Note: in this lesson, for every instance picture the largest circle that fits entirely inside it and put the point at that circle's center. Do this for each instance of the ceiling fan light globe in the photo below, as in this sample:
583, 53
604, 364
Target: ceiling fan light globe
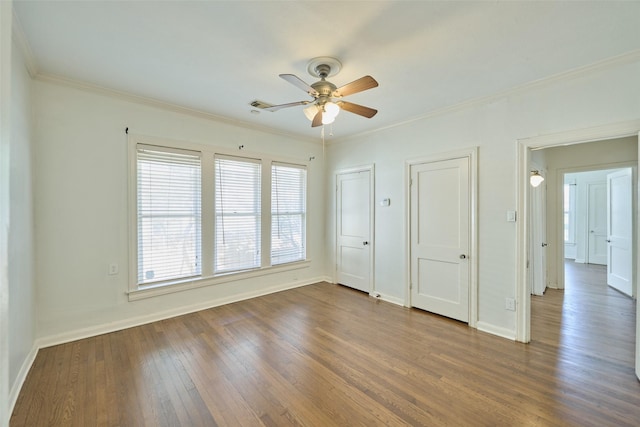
327, 119
311, 111
536, 179
331, 109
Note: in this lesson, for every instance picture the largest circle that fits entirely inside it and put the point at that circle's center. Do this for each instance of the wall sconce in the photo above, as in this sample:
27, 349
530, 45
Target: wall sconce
535, 179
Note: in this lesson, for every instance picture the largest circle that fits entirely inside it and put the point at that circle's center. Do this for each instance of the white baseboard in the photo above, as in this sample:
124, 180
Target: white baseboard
388, 298
496, 330
167, 314
22, 376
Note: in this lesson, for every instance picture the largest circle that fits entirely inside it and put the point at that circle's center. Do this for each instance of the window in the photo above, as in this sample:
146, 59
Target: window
168, 215
288, 213
203, 216
238, 217
569, 203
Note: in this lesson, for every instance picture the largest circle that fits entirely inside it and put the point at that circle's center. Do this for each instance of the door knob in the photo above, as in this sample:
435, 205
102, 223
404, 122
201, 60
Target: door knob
544, 244
463, 256
365, 243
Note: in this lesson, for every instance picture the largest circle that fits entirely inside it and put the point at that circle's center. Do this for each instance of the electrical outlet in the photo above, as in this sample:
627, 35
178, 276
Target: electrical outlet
510, 304
113, 269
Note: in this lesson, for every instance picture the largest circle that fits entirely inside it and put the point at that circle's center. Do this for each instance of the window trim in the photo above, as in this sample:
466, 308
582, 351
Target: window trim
208, 277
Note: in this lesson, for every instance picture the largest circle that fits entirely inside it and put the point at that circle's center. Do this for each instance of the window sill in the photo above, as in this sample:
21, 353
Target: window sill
168, 288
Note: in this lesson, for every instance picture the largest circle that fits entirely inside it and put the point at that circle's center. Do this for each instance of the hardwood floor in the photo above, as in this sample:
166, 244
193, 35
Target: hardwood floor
325, 355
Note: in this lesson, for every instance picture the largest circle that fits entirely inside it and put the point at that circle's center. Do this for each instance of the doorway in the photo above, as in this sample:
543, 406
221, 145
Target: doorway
597, 226
611, 135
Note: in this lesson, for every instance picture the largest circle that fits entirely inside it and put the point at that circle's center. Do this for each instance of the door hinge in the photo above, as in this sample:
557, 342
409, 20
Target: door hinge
410, 285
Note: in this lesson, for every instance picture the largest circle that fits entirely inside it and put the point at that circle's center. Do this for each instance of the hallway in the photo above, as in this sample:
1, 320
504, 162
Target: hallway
591, 323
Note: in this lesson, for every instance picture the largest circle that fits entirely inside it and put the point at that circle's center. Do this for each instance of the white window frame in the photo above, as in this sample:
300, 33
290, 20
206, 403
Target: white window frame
208, 276
569, 211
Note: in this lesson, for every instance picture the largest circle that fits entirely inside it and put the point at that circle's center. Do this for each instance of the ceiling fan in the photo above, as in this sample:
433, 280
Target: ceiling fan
327, 98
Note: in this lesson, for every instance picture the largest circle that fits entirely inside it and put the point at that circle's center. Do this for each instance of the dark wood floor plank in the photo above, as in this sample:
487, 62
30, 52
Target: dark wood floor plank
327, 355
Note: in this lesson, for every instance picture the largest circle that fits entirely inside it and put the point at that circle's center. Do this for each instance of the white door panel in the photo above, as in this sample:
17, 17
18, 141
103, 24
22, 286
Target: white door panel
539, 238
619, 230
440, 203
353, 222
597, 211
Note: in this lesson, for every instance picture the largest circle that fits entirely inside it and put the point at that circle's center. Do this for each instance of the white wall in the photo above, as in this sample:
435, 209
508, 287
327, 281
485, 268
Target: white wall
81, 209
22, 323
601, 95
6, 17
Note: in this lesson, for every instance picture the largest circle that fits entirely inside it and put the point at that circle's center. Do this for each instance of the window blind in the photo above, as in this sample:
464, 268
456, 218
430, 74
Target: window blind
238, 214
169, 215
288, 213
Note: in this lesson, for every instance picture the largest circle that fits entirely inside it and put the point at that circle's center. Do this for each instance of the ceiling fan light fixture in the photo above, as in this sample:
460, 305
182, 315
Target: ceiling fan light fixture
327, 98
311, 111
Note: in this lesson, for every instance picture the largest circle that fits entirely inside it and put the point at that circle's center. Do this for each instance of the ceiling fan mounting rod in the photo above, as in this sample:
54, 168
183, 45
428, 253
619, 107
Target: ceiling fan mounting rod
323, 70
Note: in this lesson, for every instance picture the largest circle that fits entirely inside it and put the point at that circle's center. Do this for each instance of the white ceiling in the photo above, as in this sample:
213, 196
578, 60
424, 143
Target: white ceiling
218, 56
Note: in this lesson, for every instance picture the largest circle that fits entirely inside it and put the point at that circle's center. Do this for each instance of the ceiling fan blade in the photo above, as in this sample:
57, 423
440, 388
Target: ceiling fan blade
291, 104
297, 81
363, 83
317, 119
358, 109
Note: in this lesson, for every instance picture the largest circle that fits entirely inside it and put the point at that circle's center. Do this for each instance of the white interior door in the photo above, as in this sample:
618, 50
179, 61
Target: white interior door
597, 224
353, 223
539, 239
439, 221
619, 230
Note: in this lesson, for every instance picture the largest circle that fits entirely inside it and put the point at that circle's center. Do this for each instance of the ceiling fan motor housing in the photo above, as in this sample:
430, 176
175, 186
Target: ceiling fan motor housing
324, 89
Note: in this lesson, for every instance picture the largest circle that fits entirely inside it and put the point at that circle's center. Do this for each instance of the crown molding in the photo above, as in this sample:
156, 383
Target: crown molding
152, 102
599, 66
22, 42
